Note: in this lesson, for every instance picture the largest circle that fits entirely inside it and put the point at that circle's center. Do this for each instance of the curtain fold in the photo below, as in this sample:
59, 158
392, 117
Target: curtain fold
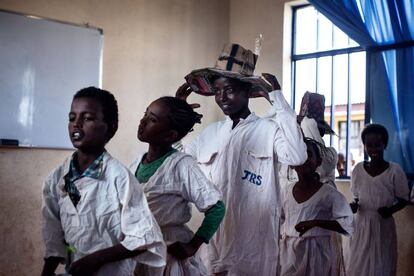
374, 23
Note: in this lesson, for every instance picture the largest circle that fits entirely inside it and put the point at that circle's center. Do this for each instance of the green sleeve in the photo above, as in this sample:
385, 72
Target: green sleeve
211, 222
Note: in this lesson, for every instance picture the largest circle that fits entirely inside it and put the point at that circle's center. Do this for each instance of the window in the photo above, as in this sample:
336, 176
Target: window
327, 61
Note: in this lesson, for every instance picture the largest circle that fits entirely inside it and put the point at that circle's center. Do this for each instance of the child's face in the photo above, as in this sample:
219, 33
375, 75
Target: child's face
155, 128
374, 146
311, 164
87, 129
228, 97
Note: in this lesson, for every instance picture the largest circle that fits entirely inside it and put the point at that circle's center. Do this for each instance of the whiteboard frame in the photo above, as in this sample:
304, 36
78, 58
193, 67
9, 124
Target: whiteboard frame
84, 25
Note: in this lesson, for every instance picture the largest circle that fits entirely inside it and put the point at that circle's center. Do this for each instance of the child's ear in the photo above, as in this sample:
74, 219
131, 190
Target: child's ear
172, 136
112, 128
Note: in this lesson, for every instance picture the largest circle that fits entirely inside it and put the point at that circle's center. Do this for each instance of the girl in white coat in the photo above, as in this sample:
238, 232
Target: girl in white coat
311, 211
171, 180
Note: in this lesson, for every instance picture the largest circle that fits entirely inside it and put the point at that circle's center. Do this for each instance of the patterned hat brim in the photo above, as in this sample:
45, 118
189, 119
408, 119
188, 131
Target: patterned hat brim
200, 81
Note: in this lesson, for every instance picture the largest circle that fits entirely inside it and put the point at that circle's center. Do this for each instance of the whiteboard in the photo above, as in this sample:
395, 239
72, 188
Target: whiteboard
43, 63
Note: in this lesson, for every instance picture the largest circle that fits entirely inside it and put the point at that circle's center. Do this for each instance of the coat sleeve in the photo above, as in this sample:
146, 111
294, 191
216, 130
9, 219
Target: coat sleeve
196, 188
288, 142
401, 189
354, 181
341, 212
192, 147
138, 225
52, 231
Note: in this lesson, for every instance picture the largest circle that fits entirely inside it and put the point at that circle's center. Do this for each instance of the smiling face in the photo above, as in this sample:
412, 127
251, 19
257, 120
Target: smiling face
155, 127
88, 131
374, 146
230, 97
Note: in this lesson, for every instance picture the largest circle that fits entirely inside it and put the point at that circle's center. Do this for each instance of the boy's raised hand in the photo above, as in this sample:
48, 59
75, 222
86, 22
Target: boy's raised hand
272, 80
183, 92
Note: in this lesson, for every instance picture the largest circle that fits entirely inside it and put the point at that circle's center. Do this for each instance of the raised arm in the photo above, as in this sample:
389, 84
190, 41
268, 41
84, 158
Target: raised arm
288, 143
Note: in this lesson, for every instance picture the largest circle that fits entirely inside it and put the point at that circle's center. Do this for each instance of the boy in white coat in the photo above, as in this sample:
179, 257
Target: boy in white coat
240, 155
93, 205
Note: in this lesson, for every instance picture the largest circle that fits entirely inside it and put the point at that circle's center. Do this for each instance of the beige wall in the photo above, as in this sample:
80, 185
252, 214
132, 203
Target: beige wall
248, 19
149, 45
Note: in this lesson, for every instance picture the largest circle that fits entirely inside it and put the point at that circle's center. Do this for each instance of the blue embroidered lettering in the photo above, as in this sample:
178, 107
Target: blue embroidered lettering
246, 174
252, 178
259, 180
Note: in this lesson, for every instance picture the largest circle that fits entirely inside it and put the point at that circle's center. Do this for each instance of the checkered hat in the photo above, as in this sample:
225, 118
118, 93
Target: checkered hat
234, 62
313, 106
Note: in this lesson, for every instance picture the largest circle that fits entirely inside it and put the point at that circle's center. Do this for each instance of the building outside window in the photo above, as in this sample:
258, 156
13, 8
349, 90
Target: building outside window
326, 61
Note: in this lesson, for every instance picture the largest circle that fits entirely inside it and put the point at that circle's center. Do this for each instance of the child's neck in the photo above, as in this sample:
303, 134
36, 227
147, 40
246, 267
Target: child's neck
155, 152
376, 166
305, 188
307, 182
243, 114
85, 159
377, 162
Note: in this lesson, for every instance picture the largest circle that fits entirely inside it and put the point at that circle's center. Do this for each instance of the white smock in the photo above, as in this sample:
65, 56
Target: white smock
112, 210
243, 162
373, 247
314, 253
177, 183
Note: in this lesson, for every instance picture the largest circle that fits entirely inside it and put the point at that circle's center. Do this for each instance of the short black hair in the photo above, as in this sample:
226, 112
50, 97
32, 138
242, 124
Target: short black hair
106, 100
315, 145
375, 129
181, 115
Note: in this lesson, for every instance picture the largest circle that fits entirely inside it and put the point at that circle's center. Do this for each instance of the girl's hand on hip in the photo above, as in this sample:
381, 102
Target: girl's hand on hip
181, 250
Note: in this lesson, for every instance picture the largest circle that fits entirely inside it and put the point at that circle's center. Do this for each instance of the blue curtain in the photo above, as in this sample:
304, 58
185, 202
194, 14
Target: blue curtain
390, 73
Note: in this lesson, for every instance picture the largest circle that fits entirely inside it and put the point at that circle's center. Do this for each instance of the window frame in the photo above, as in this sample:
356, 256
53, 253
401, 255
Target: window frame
331, 53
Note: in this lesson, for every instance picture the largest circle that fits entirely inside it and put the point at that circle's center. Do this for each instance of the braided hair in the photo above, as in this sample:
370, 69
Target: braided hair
181, 115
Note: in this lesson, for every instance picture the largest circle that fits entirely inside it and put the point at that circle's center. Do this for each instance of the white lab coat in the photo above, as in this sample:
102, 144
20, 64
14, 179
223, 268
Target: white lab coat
314, 253
373, 247
243, 162
177, 183
112, 210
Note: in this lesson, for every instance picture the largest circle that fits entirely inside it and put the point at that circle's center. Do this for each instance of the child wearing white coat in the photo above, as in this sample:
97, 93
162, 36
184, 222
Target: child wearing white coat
311, 211
96, 219
172, 181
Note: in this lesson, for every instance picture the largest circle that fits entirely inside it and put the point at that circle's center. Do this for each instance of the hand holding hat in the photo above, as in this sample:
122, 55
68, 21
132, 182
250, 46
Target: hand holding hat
183, 92
234, 62
272, 80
